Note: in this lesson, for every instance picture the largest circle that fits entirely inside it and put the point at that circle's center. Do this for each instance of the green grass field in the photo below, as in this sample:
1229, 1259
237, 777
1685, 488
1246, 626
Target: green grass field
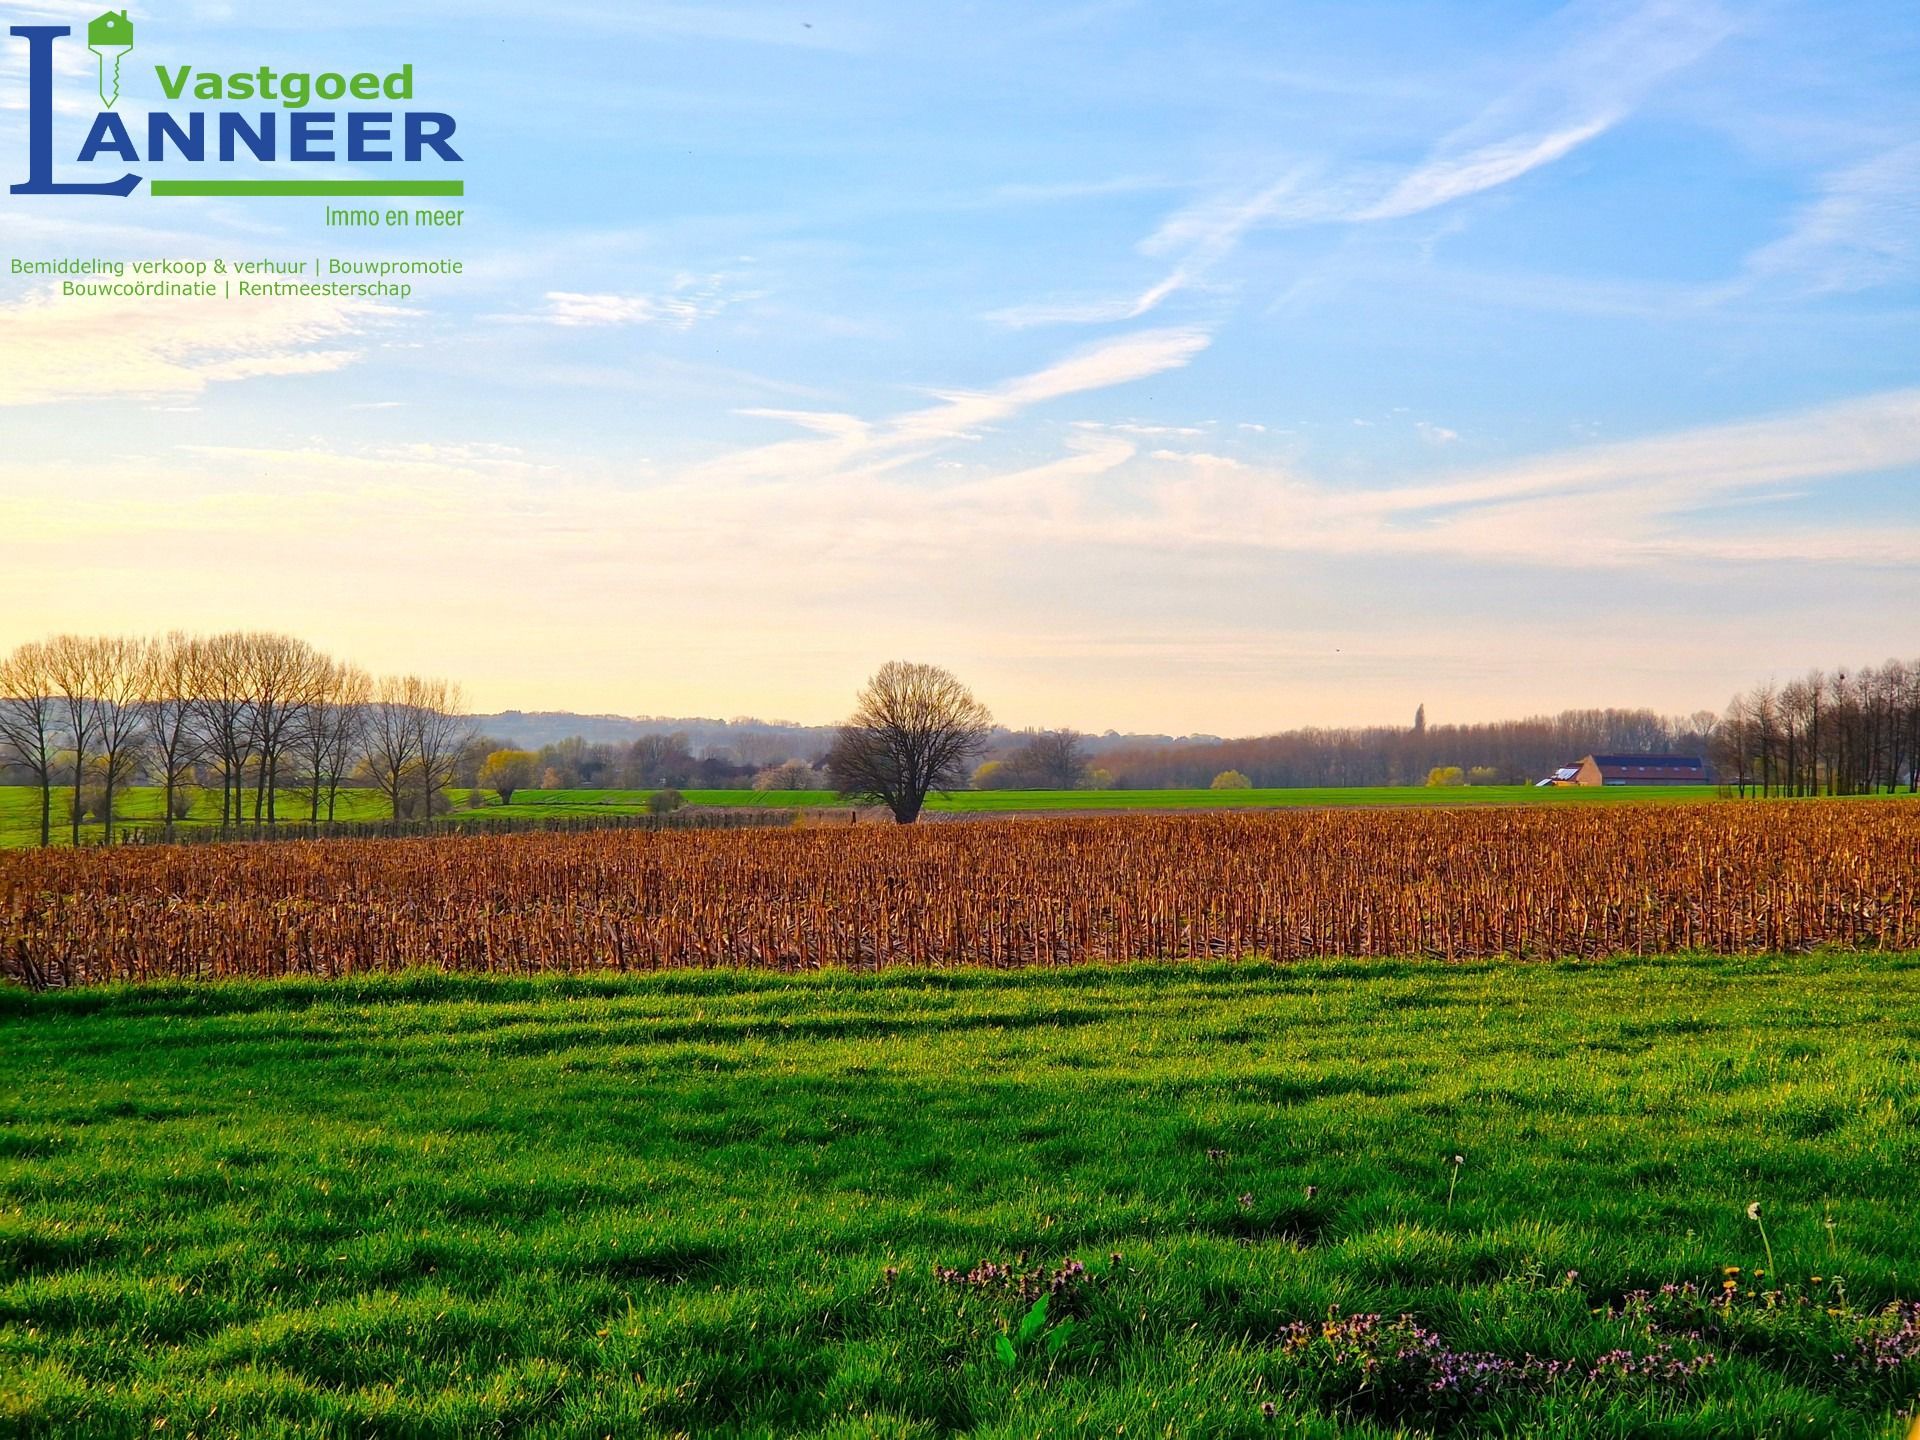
1003, 801
533, 803
142, 805
146, 805
712, 1204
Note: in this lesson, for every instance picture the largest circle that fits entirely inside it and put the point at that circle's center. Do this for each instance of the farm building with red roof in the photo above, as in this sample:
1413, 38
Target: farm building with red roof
1632, 770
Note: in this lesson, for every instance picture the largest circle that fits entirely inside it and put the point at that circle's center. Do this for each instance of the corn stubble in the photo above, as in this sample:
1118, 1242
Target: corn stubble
1442, 883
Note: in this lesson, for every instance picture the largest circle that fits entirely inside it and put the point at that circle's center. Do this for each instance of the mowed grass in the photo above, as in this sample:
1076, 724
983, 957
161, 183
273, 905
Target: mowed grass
998, 801
531, 804
711, 1203
143, 805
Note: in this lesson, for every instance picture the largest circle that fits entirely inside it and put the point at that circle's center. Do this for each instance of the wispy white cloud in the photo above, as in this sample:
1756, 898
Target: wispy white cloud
688, 301
1202, 235
1135, 427
1098, 367
1200, 458
960, 414
827, 586
61, 348
1446, 178
1595, 77
1631, 503
1675, 473
1863, 229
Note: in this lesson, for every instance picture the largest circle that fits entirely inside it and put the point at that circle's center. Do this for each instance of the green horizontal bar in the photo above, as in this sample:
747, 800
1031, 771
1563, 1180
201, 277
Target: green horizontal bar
310, 187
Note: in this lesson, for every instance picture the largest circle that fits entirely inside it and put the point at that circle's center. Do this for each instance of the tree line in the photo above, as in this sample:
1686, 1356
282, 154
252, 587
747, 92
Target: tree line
649, 762
262, 714
257, 714
1509, 752
1851, 732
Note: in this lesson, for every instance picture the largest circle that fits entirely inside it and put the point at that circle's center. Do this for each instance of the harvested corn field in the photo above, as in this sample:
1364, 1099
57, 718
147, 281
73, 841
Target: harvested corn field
1449, 884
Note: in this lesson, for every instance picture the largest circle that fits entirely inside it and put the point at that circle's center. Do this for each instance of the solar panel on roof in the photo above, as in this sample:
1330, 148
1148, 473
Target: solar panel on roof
1683, 761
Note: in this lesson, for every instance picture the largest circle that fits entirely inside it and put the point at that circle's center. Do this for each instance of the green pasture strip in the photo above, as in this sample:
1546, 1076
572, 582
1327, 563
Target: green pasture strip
712, 1202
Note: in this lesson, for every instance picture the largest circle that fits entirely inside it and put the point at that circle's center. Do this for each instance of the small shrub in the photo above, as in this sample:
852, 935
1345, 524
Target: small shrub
1231, 780
665, 802
990, 775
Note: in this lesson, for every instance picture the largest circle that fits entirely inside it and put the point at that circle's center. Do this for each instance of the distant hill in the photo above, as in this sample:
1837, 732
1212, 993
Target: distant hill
743, 738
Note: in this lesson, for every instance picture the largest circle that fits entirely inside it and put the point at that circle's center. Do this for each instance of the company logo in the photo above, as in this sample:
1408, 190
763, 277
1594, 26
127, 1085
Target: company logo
290, 129
110, 37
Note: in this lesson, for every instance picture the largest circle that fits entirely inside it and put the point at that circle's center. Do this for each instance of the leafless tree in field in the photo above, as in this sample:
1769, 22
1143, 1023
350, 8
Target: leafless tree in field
392, 740
913, 730
792, 775
29, 721
1730, 750
168, 713
331, 728
1845, 733
70, 661
441, 730
283, 677
1047, 760
223, 708
119, 718
415, 730
655, 760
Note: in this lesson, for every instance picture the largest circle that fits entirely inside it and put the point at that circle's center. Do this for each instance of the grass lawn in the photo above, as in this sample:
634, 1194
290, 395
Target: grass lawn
529, 804
1000, 801
712, 1203
146, 805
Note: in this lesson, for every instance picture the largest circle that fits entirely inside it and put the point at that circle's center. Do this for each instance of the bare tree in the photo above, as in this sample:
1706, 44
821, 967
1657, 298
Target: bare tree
1849, 733
332, 725
1732, 749
1047, 760
119, 718
913, 730
174, 742
441, 731
1910, 730
283, 678
790, 775
29, 719
70, 661
656, 760
224, 707
393, 740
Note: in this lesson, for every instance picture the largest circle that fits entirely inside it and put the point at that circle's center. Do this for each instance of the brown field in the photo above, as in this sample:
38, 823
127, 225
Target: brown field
1444, 883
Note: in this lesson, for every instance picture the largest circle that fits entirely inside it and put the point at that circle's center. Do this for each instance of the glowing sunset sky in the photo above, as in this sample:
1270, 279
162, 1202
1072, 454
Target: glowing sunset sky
1218, 367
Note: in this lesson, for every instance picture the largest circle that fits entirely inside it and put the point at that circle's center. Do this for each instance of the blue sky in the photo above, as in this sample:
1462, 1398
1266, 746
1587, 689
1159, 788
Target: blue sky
1196, 367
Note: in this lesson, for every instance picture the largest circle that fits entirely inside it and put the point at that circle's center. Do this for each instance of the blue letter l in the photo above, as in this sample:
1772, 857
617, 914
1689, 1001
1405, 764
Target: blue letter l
40, 179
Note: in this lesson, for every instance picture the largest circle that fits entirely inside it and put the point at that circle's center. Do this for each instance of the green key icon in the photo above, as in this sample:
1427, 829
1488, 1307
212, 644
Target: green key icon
110, 35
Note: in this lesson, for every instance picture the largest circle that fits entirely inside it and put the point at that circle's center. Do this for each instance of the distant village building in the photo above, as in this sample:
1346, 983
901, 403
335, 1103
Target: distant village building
1632, 770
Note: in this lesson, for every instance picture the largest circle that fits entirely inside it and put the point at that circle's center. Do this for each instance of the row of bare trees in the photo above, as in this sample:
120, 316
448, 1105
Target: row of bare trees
1852, 732
256, 713
1511, 752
